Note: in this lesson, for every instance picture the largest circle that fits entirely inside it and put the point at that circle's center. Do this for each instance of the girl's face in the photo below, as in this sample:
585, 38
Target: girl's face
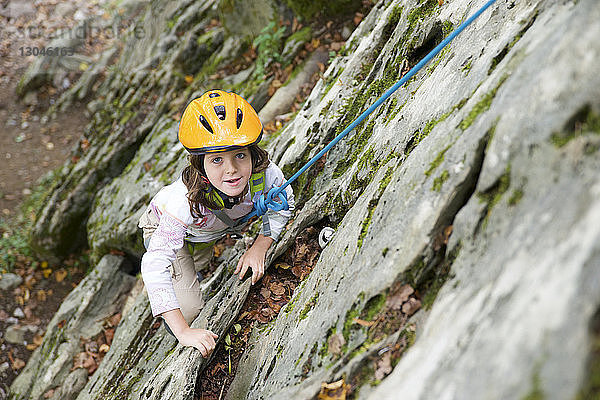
229, 171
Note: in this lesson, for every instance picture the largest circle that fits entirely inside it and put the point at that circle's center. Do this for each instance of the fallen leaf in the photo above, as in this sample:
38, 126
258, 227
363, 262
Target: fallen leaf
189, 79
60, 275
47, 272
411, 306
333, 391
109, 334
30, 281
31, 346
266, 293
38, 339
362, 322
335, 343
104, 348
396, 300
147, 166
41, 295
115, 319
383, 366
274, 306
218, 250
283, 266
261, 318
297, 271
61, 324
83, 360
49, 394
357, 18
267, 312
18, 364
91, 347
277, 289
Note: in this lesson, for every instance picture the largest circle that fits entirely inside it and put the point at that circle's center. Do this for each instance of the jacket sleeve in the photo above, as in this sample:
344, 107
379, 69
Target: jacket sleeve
274, 221
166, 240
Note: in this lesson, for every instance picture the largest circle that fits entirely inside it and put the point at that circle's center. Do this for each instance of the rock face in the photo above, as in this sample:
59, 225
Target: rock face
98, 296
466, 248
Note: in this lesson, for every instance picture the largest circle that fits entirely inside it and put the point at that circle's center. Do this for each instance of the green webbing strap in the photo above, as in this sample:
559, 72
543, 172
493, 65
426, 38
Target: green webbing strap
257, 183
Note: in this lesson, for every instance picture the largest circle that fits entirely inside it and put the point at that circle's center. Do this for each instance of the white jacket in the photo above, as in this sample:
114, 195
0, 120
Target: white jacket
176, 224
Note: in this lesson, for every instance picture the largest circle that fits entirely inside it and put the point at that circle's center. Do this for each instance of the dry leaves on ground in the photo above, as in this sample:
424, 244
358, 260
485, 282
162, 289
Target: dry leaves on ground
333, 391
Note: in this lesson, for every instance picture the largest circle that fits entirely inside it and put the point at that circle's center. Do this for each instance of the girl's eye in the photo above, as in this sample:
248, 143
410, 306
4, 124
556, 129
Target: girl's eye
216, 160
240, 155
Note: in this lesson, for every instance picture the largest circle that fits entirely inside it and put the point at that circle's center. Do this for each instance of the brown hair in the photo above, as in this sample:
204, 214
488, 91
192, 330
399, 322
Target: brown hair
194, 178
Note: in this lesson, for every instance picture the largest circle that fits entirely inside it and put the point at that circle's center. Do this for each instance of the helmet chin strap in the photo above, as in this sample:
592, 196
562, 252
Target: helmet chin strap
228, 201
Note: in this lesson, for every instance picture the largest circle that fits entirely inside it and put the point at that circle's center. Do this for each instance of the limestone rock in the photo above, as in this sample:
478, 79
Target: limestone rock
480, 148
10, 281
15, 334
16, 9
97, 297
146, 363
476, 185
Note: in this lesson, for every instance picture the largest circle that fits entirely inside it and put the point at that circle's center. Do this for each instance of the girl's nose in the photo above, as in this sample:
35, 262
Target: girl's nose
229, 166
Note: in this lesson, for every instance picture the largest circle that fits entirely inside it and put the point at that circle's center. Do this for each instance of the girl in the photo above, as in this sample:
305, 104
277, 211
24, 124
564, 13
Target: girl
227, 172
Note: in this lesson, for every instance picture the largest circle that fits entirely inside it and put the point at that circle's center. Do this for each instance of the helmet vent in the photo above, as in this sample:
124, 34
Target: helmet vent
205, 123
239, 118
214, 95
220, 110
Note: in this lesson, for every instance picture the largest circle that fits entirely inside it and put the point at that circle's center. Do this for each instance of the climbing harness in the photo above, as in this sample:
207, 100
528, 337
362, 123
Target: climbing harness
262, 203
257, 186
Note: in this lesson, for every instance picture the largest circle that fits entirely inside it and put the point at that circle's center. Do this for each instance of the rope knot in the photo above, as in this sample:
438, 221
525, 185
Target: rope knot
262, 204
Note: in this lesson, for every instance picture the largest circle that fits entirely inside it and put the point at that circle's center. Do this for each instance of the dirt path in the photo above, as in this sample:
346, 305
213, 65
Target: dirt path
28, 147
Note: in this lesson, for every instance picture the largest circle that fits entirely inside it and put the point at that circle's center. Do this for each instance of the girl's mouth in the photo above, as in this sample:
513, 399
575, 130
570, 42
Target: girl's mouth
233, 182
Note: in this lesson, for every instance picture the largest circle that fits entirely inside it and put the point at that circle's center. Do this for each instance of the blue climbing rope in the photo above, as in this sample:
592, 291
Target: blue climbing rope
260, 206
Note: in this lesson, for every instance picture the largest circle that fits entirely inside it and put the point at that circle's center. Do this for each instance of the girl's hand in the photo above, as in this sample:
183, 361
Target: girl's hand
201, 339
254, 258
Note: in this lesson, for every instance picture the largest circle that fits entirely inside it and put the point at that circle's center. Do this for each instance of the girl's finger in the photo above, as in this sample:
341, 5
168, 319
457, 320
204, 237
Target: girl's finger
237, 268
209, 342
202, 349
243, 271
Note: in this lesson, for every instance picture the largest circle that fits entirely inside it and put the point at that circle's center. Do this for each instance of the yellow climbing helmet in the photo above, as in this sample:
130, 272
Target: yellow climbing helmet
218, 121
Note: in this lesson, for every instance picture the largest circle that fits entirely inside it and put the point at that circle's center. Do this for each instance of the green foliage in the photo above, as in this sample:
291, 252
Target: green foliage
308, 9
585, 121
229, 344
439, 181
311, 303
516, 197
13, 243
268, 46
536, 392
438, 160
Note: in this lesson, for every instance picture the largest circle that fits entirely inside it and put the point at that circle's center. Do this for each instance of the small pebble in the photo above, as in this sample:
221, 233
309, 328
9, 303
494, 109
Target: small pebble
19, 313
